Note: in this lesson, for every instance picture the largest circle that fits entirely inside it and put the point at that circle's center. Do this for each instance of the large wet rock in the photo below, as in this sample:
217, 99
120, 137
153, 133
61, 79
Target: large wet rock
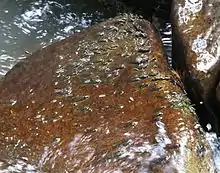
196, 50
102, 100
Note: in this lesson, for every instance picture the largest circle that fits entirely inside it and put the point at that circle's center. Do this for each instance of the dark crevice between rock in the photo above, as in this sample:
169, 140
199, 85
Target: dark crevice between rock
213, 103
160, 18
148, 9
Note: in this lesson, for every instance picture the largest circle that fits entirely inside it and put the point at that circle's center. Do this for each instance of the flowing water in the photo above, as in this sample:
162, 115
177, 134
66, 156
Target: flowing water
27, 25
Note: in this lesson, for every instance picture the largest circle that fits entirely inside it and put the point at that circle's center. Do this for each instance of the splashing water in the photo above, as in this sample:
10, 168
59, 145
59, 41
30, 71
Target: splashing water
28, 25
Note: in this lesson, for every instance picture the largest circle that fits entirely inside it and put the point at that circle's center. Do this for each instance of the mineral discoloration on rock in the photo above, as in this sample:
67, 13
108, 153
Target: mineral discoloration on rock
196, 45
102, 100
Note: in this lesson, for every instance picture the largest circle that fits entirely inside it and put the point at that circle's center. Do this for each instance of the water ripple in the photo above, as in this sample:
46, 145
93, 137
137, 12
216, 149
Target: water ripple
26, 26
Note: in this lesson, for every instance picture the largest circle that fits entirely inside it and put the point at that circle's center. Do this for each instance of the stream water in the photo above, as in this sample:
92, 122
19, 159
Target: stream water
27, 25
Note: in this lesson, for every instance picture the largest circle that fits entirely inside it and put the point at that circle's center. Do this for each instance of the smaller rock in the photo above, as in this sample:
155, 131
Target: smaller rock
196, 51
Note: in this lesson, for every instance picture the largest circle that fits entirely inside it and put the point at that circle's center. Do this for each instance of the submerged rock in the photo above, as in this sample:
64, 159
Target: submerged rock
102, 100
196, 40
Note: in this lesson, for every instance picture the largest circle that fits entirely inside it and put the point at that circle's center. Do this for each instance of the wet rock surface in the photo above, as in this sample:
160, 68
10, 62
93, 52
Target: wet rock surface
102, 100
196, 51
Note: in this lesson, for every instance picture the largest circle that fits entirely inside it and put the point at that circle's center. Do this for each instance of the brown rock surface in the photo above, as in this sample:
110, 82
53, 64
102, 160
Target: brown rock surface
102, 100
196, 48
